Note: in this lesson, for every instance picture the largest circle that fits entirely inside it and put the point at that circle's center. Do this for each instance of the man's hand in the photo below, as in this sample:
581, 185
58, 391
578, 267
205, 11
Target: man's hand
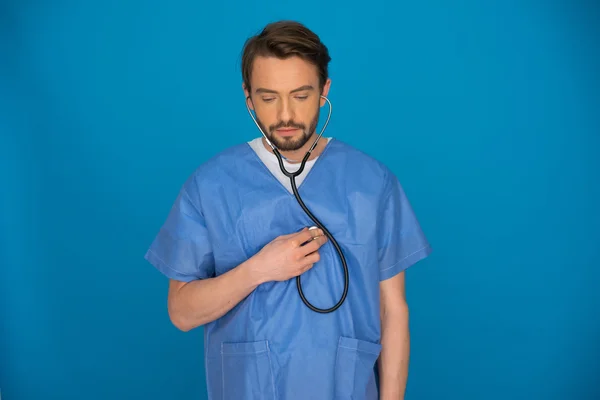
196, 303
288, 256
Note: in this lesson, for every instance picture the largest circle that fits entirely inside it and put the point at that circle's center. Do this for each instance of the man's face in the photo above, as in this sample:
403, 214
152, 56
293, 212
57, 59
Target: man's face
286, 100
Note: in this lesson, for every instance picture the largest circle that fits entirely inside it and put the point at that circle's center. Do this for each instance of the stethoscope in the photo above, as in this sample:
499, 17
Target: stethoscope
292, 176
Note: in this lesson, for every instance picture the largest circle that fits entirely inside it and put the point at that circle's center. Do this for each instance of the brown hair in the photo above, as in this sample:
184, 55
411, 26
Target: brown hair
284, 39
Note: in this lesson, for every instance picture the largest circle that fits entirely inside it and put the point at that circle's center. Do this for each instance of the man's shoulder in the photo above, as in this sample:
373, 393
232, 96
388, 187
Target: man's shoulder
223, 158
227, 154
224, 162
360, 160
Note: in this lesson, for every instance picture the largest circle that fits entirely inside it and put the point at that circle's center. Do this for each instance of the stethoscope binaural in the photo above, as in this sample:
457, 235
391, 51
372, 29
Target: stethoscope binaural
292, 176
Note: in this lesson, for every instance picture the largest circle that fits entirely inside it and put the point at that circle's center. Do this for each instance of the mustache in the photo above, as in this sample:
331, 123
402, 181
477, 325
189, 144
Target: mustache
289, 124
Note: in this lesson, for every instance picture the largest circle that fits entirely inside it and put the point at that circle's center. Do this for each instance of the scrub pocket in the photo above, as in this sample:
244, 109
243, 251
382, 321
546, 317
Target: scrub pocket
246, 371
354, 369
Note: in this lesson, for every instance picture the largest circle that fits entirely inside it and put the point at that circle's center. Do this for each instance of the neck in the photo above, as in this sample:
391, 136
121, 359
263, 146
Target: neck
296, 156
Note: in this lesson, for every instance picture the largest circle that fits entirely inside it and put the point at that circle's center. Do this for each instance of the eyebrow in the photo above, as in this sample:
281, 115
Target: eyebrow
300, 89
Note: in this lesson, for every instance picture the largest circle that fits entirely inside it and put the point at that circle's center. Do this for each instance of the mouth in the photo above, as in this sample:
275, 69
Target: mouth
287, 131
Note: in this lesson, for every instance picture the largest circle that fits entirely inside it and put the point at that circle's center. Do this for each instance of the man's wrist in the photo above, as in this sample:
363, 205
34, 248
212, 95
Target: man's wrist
391, 395
252, 274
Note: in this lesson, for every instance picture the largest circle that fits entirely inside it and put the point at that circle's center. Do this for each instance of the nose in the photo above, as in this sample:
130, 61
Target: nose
286, 111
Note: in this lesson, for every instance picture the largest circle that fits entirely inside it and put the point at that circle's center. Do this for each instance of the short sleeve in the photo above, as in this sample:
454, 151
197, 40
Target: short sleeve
182, 250
401, 240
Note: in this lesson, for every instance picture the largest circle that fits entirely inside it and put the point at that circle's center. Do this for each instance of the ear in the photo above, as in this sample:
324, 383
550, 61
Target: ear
247, 96
325, 91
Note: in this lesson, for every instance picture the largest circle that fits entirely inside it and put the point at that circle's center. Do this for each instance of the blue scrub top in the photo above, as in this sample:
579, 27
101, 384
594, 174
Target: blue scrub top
271, 346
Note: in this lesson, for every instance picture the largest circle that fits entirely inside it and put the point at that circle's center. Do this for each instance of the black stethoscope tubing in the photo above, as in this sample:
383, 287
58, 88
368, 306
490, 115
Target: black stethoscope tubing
292, 176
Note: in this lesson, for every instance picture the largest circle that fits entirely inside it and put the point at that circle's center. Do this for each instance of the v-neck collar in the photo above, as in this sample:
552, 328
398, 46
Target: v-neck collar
317, 161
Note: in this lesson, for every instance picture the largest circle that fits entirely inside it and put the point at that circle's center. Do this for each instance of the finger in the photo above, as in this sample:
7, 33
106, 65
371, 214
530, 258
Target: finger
291, 236
305, 235
312, 258
313, 245
299, 239
306, 268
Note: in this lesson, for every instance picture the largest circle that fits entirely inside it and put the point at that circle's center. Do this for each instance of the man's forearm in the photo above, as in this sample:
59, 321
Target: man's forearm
393, 361
199, 302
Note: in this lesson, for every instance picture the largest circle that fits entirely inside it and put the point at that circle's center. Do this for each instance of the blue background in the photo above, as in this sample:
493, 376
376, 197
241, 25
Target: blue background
488, 113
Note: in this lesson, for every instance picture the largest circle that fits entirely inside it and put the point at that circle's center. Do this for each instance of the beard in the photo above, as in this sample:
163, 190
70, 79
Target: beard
290, 143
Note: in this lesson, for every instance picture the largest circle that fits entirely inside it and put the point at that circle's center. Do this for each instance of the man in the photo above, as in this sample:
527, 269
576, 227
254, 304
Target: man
236, 239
